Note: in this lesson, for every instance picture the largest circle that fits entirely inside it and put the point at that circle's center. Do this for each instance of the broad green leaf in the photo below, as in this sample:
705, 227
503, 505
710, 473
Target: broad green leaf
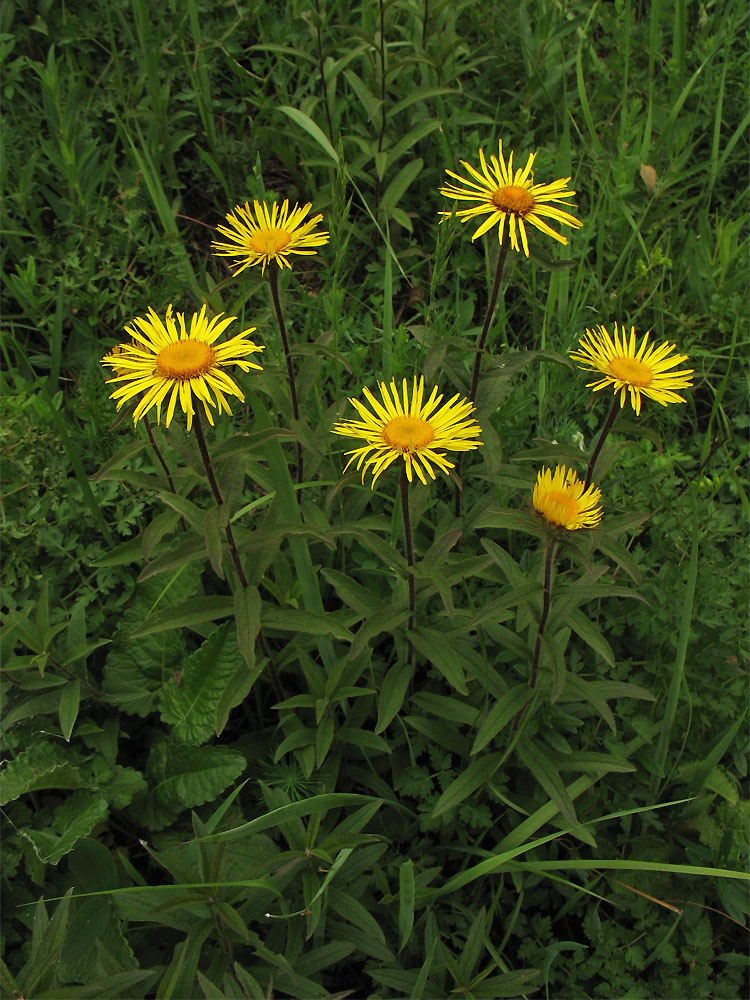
400, 184
190, 705
306, 622
392, 693
214, 525
591, 635
235, 691
283, 814
477, 774
43, 765
405, 901
247, 621
136, 670
195, 611
181, 777
309, 126
74, 818
533, 757
385, 619
70, 700
577, 688
442, 653
420, 94
351, 910
47, 948
500, 715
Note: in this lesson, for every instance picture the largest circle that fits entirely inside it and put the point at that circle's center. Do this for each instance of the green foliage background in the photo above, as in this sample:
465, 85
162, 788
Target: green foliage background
187, 816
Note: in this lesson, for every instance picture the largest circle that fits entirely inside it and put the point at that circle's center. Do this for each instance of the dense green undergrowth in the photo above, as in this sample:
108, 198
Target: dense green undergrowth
191, 810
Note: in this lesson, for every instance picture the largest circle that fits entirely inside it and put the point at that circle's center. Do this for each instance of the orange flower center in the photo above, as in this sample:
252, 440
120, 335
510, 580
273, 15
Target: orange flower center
560, 507
269, 242
513, 199
183, 359
631, 371
408, 433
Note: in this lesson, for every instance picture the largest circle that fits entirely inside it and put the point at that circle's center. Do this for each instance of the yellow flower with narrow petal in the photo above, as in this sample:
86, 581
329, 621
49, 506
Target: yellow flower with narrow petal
630, 369
503, 194
415, 430
561, 499
268, 235
168, 359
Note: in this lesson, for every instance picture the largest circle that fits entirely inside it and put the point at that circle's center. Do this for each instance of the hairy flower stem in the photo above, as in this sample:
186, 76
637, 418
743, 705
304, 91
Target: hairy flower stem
381, 137
549, 560
602, 437
409, 552
162, 461
203, 448
157, 452
487, 320
480, 352
322, 70
274, 282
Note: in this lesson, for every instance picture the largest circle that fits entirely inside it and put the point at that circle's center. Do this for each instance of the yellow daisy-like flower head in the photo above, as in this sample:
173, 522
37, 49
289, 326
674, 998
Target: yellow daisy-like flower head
168, 359
503, 194
265, 236
412, 429
630, 369
561, 499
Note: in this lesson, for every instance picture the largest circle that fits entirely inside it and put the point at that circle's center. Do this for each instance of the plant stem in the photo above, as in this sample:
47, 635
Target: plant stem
480, 351
162, 460
409, 549
274, 281
602, 437
381, 137
549, 559
157, 452
487, 320
424, 23
322, 71
203, 448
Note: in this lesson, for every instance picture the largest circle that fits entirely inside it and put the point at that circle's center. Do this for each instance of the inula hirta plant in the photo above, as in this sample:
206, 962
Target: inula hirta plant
168, 359
503, 194
417, 431
271, 235
563, 499
258, 236
632, 370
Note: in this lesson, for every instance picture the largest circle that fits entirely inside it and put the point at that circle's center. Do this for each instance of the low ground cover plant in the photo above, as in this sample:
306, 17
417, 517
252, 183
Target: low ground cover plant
372, 430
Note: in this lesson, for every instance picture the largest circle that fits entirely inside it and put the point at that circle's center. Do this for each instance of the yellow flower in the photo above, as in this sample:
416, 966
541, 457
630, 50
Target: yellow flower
560, 498
414, 430
269, 235
501, 193
632, 369
162, 359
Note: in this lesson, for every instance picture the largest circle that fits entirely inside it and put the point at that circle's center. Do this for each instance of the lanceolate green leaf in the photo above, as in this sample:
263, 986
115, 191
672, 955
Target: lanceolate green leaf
530, 753
478, 773
195, 611
307, 807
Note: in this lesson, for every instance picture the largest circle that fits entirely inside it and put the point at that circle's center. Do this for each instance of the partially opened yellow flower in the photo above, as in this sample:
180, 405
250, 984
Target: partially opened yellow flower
168, 359
503, 194
561, 499
265, 236
412, 429
630, 369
